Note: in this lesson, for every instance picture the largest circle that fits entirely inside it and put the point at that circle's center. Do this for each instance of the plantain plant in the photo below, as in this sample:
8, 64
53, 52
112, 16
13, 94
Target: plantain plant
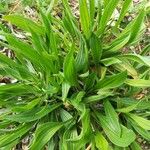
78, 84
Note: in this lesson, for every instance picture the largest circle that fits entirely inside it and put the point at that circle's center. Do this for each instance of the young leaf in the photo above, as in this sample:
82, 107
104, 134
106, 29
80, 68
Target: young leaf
145, 50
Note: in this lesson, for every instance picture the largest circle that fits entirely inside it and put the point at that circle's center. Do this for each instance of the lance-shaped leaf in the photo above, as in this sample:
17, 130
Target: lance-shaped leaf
137, 26
96, 48
121, 139
70, 73
101, 142
34, 114
142, 122
24, 23
112, 118
112, 81
82, 58
136, 146
108, 10
12, 136
145, 60
144, 133
138, 82
124, 10
85, 18
44, 133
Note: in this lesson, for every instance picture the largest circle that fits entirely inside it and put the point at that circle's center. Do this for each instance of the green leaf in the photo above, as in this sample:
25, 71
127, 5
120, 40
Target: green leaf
126, 65
44, 133
101, 142
108, 10
142, 122
135, 146
70, 73
137, 26
138, 82
14, 135
16, 89
85, 18
129, 108
100, 96
112, 118
82, 58
11, 145
23, 48
34, 114
123, 140
124, 10
24, 23
28, 106
65, 90
117, 44
146, 50
85, 135
145, 60
65, 116
96, 48
90, 81
126, 101
69, 20
92, 10
112, 81
144, 133
120, 140
110, 61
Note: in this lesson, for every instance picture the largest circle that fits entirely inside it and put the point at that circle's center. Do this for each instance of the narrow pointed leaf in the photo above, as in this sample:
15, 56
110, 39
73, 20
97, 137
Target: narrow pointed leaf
124, 10
18, 133
44, 133
138, 82
101, 142
85, 17
34, 114
70, 73
108, 10
142, 122
24, 23
112, 81
137, 26
96, 48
